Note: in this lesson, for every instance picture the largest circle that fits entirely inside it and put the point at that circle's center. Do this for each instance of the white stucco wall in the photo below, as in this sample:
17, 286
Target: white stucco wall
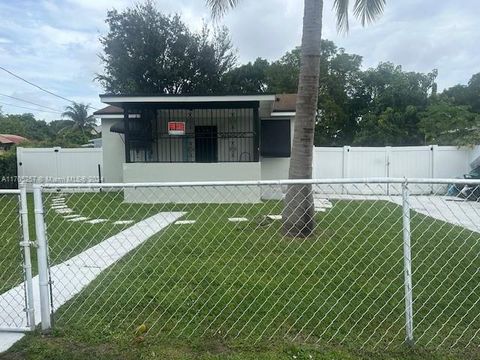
113, 153
177, 172
116, 170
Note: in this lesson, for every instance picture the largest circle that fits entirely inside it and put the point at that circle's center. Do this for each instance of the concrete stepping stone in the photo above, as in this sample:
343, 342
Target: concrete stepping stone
185, 222
122, 222
76, 219
237, 219
71, 216
63, 211
59, 207
323, 203
96, 221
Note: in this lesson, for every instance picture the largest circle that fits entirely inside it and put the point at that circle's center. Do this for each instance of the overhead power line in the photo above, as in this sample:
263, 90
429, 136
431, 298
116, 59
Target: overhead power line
30, 102
31, 109
39, 87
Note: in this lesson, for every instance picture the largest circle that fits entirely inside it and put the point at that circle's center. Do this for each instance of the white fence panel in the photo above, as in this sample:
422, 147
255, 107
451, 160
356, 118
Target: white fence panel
329, 162
411, 161
40, 165
366, 162
450, 161
428, 162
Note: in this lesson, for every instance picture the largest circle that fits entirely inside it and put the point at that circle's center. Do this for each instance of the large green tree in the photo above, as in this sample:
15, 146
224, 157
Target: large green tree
444, 123
24, 125
299, 208
146, 51
40, 133
466, 94
250, 78
340, 98
395, 99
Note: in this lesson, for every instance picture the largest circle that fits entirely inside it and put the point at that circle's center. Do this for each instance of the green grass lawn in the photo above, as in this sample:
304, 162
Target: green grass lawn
10, 230
217, 289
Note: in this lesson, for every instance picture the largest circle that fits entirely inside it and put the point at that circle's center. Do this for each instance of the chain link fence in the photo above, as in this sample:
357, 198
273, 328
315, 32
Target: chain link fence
384, 261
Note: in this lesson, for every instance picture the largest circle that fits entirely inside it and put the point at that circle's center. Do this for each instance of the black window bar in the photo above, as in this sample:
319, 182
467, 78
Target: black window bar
211, 135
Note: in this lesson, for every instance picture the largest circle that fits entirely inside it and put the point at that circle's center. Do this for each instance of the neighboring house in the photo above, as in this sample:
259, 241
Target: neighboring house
165, 138
93, 143
96, 130
7, 141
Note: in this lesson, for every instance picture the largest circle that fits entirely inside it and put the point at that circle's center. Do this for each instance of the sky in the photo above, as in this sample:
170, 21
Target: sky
54, 43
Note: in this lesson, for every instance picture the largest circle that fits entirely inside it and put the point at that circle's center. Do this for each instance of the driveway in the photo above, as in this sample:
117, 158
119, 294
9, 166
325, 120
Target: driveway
445, 208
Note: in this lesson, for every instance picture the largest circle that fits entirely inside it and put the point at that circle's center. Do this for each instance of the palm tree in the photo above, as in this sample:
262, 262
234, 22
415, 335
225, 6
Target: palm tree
298, 213
78, 113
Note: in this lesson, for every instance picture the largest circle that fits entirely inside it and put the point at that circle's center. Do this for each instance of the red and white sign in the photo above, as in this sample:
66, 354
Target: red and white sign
176, 128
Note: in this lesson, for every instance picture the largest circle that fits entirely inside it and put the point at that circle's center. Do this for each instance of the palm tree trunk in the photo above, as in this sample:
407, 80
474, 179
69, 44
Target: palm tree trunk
298, 213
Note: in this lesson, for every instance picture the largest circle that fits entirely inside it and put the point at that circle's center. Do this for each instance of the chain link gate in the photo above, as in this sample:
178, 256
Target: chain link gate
16, 285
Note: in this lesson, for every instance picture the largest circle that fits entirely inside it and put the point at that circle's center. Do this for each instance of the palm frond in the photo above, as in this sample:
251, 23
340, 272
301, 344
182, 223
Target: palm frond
69, 114
367, 11
78, 113
341, 10
220, 7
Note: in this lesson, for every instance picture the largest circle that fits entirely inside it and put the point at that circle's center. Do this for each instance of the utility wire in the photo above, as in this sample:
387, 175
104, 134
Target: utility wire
29, 102
28, 108
39, 87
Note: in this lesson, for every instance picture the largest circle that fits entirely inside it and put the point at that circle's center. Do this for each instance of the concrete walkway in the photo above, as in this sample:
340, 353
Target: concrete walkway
77, 272
450, 209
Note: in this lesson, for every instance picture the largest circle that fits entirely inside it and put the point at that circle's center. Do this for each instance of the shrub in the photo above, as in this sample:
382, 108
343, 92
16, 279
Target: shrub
8, 170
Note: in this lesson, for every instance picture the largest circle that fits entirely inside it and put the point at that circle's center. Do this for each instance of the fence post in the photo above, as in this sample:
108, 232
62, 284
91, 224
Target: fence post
388, 152
42, 257
27, 261
407, 264
433, 170
345, 165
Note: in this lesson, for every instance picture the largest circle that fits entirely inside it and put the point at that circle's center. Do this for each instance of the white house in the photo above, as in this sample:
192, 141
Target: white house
173, 138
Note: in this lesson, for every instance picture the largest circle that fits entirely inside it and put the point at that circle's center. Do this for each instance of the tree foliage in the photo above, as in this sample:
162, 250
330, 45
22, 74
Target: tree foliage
39, 133
146, 51
8, 170
444, 123
466, 94
395, 99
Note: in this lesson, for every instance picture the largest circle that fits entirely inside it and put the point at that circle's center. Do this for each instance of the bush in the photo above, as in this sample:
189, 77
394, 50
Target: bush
8, 170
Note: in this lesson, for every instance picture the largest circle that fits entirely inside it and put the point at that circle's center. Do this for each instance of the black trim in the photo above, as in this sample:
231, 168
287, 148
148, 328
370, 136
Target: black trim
191, 105
186, 95
127, 134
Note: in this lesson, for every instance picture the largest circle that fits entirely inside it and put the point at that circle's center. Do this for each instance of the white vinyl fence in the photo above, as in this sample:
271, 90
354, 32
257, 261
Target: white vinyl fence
58, 165
404, 161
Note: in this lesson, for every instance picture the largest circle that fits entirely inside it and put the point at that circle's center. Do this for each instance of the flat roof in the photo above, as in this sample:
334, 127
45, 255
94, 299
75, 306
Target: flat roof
121, 99
283, 104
